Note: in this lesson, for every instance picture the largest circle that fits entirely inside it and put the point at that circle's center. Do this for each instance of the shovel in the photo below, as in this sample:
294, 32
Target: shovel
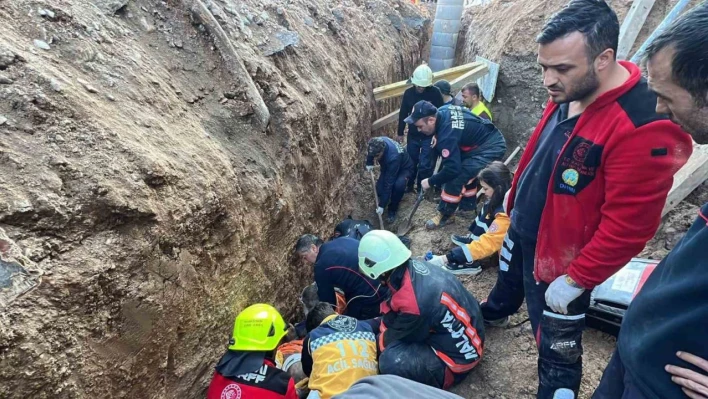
404, 229
376, 198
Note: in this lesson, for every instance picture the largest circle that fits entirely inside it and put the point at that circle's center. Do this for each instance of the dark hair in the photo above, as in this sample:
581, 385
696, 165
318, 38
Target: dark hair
306, 241
376, 146
497, 176
472, 88
689, 37
317, 315
593, 18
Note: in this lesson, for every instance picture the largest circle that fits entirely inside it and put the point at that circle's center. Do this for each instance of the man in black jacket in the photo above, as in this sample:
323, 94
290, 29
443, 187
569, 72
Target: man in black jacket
396, 170
662, 351
337, 266
418, 146
467, 144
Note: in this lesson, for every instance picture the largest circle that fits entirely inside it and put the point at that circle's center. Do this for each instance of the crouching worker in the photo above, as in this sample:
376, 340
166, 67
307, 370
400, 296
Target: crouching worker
431, 330
488, 230
396, 170
337, 351
247, 370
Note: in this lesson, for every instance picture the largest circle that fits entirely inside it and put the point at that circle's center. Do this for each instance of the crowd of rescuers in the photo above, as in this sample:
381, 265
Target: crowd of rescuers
586, 197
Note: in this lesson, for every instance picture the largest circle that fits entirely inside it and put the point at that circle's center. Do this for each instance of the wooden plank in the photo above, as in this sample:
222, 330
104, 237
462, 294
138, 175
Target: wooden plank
632, 25
381, 122
456, 84
396, 89
692, 175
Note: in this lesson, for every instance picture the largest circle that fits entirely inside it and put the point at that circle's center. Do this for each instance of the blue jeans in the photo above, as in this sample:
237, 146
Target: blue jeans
419, 150
616, 383
558, 336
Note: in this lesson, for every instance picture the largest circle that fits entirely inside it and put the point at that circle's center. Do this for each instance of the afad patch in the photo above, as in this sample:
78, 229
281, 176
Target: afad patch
445, 153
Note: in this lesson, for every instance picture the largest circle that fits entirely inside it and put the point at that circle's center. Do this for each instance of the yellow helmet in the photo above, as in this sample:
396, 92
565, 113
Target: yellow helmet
259, 327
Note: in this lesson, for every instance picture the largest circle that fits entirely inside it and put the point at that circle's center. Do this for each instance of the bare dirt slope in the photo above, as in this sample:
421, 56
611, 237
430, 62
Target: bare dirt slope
135, 181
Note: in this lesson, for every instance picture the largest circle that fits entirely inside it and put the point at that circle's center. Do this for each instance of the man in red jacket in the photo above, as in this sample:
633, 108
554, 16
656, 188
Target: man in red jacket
589, 189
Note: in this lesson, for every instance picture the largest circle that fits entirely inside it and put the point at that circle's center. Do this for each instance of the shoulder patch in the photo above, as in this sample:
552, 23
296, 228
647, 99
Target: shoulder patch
640, 105
445, 153
494, 227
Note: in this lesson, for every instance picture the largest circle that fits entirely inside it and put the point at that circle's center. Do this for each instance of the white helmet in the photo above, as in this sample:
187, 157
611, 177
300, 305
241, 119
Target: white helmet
381, 251
422, 76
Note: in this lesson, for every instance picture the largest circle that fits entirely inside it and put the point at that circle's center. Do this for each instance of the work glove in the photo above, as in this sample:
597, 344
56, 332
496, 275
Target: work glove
561, 292
379, 210
438, 260
369, 168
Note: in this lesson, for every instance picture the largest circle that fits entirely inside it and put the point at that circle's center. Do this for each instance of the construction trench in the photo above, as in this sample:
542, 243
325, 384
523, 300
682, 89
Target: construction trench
149, 202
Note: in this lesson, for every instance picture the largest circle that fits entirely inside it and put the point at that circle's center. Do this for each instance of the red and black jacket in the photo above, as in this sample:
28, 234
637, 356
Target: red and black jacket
608, 186
233, 379
430, 305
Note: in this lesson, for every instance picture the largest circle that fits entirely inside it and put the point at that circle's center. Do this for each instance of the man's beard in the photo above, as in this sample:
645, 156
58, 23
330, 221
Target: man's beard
583, 89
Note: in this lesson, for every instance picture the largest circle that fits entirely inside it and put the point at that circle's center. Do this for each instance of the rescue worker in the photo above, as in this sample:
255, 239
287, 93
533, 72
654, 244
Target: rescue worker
472, 98
588, 191
446, 90
352, 228
466, 144
488, 229
337, 351
396, 170
336, 266
431, 328
418, 145
247, 370
662, 350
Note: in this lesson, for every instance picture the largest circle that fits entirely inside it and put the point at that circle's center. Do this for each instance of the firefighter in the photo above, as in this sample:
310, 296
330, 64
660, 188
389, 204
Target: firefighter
472, 98
336, 267
396, 170
466, 144
418, 144
247, 370
431, 328
337, 351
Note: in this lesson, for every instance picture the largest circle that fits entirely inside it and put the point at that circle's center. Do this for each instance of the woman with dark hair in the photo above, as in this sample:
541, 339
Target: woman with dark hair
488, 229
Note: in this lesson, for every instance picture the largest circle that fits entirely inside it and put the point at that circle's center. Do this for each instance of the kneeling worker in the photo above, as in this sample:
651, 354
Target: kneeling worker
466, 144
396, 170
247, 370
432, 330
337, 351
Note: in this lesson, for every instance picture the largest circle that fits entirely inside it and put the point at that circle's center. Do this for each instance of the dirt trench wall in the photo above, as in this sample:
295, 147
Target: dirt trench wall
504, 31
152, 209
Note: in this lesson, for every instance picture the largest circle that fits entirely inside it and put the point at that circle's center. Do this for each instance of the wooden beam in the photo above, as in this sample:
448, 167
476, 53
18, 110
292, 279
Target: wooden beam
394, 90
690, 176
381, 122
632, 25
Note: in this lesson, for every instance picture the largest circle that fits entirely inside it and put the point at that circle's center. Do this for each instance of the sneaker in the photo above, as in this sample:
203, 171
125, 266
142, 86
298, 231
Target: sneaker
391, 217
439, 220
461, 239
468, 269
499, 323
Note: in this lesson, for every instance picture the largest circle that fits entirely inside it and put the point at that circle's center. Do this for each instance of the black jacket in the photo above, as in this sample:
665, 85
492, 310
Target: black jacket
410, 97
669, 314
394, 161
460, 133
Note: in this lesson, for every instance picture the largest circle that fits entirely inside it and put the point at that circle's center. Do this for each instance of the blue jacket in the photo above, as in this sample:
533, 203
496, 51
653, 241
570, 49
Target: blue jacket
460, 134
394, 162
337, 265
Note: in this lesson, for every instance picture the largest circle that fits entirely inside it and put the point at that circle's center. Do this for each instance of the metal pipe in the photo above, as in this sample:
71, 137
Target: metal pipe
663, 25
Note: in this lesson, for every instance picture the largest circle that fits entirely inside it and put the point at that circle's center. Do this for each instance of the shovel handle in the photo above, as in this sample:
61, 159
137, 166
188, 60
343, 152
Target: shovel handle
376, 198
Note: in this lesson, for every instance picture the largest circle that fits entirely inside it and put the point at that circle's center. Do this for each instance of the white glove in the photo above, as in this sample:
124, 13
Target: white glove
369, 168
438, 260
560, 293
379, 210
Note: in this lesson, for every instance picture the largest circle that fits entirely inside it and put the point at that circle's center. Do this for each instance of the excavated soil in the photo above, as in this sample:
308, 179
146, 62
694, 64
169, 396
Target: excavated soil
149, 205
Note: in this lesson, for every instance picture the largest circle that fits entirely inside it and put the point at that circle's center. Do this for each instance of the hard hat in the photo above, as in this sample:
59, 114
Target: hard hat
381, 251
422, 76
259, 327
